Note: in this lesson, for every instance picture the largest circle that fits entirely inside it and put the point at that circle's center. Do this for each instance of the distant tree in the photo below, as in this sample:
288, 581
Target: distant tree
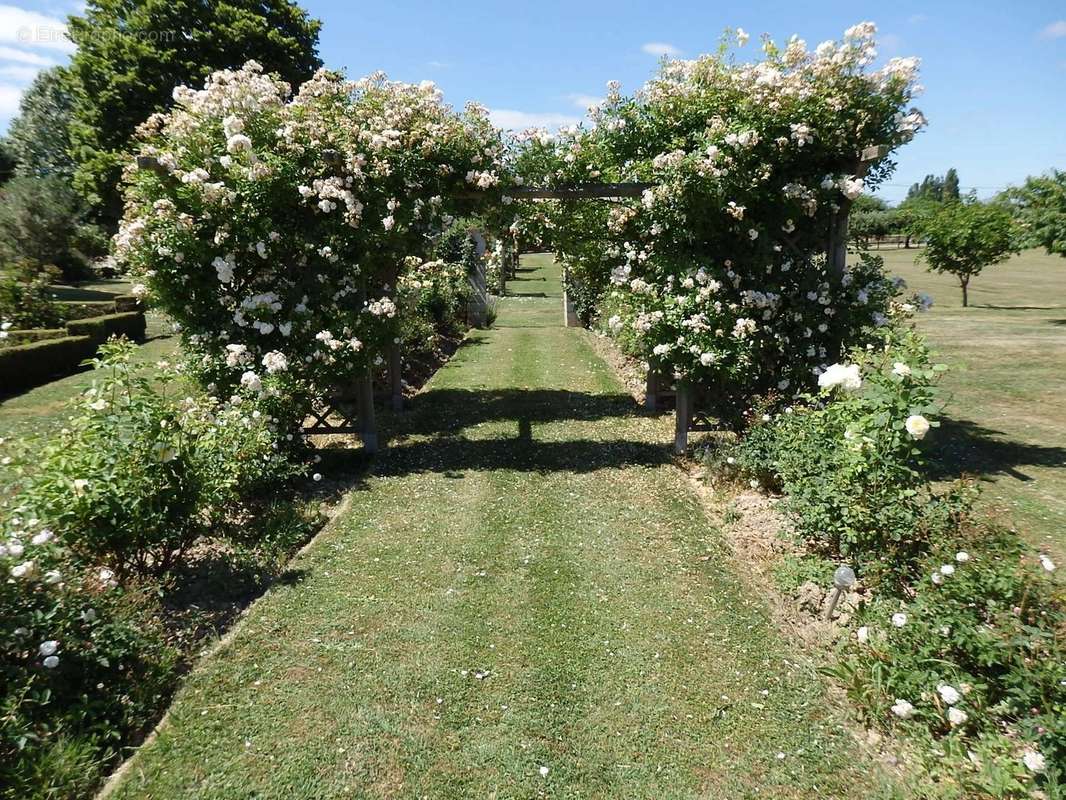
911, 214
40, 135
1040, 207
965, 237
931, 188
951, 186
8, 162
39, 224
132, 53
867, 202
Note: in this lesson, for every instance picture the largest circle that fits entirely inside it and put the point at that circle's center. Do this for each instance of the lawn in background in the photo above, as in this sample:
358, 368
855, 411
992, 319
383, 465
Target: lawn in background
1007, 384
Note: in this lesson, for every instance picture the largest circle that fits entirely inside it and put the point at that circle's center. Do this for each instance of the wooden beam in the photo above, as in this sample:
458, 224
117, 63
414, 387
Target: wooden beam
584, 191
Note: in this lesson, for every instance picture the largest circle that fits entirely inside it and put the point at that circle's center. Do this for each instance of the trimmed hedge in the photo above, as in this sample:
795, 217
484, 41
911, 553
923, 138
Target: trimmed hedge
81, 309
17, 336
130, 324
29, 365
127, 302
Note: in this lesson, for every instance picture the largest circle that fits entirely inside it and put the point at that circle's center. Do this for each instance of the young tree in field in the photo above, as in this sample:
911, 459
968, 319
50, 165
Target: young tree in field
965, 237
951, 186
1040, 206
132, 53
40, 135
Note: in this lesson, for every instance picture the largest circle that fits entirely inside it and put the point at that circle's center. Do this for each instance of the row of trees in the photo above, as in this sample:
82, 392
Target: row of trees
962, 235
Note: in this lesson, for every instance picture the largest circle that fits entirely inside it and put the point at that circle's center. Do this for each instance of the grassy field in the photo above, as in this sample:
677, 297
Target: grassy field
1007, 384
523, 599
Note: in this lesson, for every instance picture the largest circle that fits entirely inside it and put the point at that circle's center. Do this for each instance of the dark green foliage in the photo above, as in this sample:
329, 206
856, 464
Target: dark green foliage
40, 135
1040, 207
951, 186
131, 55
39, 223
8, 161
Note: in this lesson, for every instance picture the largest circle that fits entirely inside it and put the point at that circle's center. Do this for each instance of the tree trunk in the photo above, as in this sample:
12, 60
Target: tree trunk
965, 297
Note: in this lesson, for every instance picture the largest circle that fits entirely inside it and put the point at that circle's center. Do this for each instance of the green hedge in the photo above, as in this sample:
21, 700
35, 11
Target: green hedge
29, 365
130, 324
127, 302
81, 309
17, 336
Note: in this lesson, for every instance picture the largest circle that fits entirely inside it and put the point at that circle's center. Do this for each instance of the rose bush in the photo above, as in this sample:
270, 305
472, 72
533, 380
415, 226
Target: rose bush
718, 272
277, 227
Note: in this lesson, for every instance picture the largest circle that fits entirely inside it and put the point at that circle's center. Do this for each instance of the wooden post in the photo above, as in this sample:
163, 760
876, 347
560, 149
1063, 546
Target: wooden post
837, 252
652, 387
505, 265
477, 306
683, 417
570, 318
396, 376
364, 400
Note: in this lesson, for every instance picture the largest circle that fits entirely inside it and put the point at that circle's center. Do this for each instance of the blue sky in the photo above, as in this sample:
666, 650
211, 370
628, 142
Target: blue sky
995, 72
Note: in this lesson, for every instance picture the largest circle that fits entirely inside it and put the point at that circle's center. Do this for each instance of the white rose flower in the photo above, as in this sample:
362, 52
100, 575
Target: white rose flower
956, 716
899, 619
249, 380
846, 376
1033, 760
51, 662
863, 634
949, 694
901, 369
44, 537
51, 647
238, 143
917, 426
1047, 563
902, 709
962, 556
947, 570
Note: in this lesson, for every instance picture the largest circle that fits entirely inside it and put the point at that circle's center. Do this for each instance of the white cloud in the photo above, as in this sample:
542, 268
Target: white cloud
23, 57
9, 101
26, 28
1055, 30
584, 101
19, 74
917, 19
512, 120
438, 64
660, 49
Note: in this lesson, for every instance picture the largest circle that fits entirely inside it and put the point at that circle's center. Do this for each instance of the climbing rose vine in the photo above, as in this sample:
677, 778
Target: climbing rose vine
277, 227
718, 273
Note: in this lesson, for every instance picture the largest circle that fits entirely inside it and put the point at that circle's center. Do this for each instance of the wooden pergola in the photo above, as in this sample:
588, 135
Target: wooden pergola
355, 408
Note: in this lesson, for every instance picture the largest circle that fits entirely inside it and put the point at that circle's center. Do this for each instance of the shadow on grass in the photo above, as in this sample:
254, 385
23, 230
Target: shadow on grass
991, 307
973, 449
451, 410
453, 456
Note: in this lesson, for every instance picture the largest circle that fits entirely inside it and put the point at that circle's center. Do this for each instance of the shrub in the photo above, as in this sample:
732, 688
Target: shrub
130, 324
84, 664
138, 475
28, 365
26, 299
39, 222
718, 273
986, 621
849, 459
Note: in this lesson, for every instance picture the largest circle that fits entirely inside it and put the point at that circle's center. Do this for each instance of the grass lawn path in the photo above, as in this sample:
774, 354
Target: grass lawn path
523, 599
